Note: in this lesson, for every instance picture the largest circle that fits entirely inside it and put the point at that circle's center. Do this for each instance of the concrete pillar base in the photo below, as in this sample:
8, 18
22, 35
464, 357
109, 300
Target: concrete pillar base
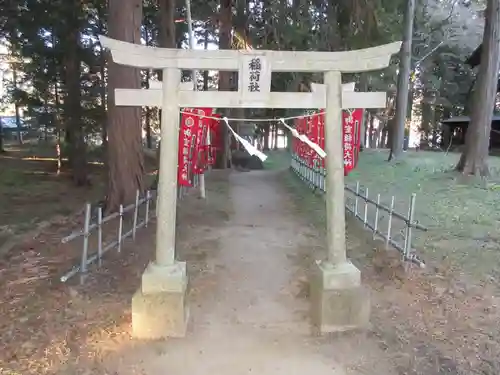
338, 300
158, 279
159, 307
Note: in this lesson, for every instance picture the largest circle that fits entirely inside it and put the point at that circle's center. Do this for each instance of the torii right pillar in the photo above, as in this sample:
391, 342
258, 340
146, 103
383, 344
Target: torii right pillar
338, 300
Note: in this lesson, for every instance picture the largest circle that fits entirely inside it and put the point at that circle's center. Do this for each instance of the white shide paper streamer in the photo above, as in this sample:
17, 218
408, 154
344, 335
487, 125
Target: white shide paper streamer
251, 149
304, 138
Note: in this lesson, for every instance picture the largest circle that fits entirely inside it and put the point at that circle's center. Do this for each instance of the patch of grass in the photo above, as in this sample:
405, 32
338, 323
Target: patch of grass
277, 159
462, 215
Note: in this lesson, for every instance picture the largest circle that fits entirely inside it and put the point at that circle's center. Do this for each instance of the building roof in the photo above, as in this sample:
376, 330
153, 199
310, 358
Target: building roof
464, 121
475, 59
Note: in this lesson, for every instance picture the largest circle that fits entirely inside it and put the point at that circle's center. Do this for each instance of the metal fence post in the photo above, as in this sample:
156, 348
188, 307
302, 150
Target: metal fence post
85, 249
409, 224
120, 229
375, 224
99, 235
146, 218
136, 212
323, 175
389, 223
356, 200
366, 207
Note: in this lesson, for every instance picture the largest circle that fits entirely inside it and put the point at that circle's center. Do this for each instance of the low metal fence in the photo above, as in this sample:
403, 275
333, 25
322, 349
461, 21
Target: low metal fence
383, 220
94, 222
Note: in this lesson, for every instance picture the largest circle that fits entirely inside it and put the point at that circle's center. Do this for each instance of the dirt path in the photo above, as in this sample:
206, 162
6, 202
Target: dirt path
247, 312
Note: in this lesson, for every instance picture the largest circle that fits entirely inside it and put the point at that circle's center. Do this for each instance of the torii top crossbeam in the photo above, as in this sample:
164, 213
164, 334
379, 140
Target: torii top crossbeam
254, 79
145, 57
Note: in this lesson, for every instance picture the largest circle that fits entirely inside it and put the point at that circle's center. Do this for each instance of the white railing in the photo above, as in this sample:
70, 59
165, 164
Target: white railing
381, 226
94, 224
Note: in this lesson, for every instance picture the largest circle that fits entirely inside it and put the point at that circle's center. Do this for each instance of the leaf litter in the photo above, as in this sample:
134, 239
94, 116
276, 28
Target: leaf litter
52, 328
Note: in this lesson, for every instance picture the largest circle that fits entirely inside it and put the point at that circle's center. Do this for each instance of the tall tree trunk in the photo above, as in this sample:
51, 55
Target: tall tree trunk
267, 130
125, 156
2, 150
167, 24
104, 128
72, 103
363, 133
101, 12
403, 84
275, 136
371, 132
205, 72
147, 126
147, 117
16, 106
391, 125
225, 28
166, 39
366, 114
474, 159
427, 116
240, 24
57, 121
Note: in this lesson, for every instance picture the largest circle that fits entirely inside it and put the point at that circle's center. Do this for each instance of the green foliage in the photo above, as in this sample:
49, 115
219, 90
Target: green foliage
36, 34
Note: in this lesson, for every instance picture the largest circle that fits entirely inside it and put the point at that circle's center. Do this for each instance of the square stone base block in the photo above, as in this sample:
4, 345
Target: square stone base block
159, 315
338, 306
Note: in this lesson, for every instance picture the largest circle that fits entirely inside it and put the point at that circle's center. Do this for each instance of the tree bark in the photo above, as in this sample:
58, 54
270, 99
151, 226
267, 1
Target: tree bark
371, 132
147, 116
2, 150
474, 159
16, 106
267, 130
72, 103
403, 84
167, 24
166, 39
103, 72
240, 24
125, 156
225, 28
205, 72
425, 127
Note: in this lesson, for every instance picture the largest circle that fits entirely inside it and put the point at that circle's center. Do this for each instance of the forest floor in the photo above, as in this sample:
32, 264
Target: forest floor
248, 247
34, 195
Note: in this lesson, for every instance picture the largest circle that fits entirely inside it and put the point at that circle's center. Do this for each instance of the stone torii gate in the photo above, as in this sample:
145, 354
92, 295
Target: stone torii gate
338, 300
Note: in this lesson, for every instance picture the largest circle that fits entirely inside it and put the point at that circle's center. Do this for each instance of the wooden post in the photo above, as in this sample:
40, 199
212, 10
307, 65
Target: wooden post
167, 186
335, 210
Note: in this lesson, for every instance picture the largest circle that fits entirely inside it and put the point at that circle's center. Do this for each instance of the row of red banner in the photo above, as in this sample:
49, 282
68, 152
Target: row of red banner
314, 128
198, 140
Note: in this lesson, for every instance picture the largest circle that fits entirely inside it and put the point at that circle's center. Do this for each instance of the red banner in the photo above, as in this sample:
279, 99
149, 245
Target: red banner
321, 140
199, 158
187, 137
314, 137
215, 138
314, 128
351, 120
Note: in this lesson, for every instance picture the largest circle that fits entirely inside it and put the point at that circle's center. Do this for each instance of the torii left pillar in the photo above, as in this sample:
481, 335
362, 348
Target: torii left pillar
159, 307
